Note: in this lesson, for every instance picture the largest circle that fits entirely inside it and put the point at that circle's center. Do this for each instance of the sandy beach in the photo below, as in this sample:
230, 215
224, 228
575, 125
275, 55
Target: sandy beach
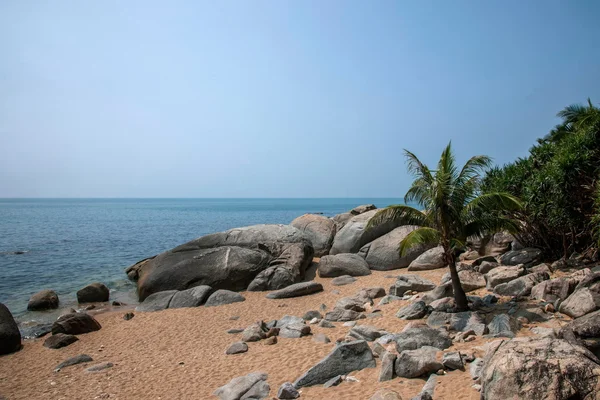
180, 353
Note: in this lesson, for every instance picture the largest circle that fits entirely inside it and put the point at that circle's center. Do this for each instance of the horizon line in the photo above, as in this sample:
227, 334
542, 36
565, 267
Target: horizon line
192, 198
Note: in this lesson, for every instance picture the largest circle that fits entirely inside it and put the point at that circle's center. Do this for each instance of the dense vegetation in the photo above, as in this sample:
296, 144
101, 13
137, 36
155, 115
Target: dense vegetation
558, 186
453, 209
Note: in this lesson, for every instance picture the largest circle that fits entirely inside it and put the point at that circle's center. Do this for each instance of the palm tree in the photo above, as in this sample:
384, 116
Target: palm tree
453, 209
575, 118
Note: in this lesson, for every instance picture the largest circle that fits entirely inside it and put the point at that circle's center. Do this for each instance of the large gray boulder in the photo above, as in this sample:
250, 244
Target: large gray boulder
501, 275
343, 264
460, 321
345, 358
156, 301
259, 257
584, 331
43, 300
469, 280
253, 386
553, 289
527, 257
10, 337
354, 235
581, 302
296, 290
193, 297
503, 324
431, 259
222, 297
411, 282
318, 229
539, 368
415, 363
417, 337
382, 253
414, 310
521, 286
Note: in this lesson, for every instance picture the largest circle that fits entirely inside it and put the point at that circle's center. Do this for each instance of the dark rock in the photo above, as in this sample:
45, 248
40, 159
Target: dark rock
222, 297
193, 297
417, 337
416, 310
343, 280
36, 331
233, 331
415, 363
581, 302
326, 324
487, 266
128, 316
100, 367
362, 209
345, 358
584, 331
287, 391
59, 340
312, 314
431, 259
296, 290
118, 303
353, 236
82, 358
260, 257
156, 301
527, 257
237, 348
342, 264
336, 380
75, 324
366, 332
373, 292
44, 300
318, 229
489, 259
527, 368
96, 292
251, 386
10, 337
382, 253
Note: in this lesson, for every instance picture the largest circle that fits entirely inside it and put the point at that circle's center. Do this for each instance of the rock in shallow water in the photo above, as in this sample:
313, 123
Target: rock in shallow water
43, 300
92, 293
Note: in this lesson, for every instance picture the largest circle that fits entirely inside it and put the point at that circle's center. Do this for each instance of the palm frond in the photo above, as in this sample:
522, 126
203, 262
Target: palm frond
419, 192
416, 168
491, 202
419, 236
474, 167
489, 225
399, 213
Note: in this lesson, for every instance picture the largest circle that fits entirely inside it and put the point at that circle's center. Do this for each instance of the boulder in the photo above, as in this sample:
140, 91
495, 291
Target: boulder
521, 286
43, 300
294, 331
354, 235
10, 337
584, 331
250, 387
416, 310
590, 281
344, 358
373, 292
287, 320
340, 314
544, 368
222, 296
343, 280
82, 358
540, 268
480, 260
287, 391
415, 363
411, 282
469, 280
460, 321
193, 297
259, 257
318, 229
492, 245
255, 332
156, 301
340, 220
581, 302
553, 289
75, 324
366, 332
501, 275
503, 323
431, 259
363, 208
96, 292
417, 337
527, 257
342, 264
453, 360
59, 340
440, 292
296, 290
382, 253
237, 348
487, 266
387, 366
309, 315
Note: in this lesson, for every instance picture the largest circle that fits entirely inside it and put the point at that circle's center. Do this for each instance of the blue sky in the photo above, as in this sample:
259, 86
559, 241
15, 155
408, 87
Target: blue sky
277, 98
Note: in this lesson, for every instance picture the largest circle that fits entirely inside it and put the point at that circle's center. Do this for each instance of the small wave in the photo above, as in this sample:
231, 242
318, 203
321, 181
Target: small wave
14, 253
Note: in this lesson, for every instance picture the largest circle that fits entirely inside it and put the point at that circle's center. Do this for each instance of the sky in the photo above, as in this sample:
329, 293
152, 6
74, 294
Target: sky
277, 98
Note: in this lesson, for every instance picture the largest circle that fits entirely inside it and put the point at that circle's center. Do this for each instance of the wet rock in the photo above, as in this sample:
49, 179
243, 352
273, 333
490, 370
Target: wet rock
44, 300
416, 310
193, 297
222, 297
59, 340
343, 264
82, 358
415, 363
75, 324
36, 331
237, 348
345, 358
251, 386
92, 293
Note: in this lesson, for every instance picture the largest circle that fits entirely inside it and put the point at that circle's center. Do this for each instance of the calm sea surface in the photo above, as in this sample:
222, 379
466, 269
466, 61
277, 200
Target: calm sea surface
69, 243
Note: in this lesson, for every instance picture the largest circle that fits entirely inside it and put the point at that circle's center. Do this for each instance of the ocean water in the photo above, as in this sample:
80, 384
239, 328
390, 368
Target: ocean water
68, 243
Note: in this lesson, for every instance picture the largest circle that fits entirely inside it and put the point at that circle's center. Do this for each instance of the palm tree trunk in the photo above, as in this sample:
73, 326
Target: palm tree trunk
459, 294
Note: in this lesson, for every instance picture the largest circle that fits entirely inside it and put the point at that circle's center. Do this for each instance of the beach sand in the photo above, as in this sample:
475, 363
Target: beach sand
180, 353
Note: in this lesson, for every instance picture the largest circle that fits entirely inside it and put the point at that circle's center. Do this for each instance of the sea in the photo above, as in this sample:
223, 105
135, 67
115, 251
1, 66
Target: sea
65, 244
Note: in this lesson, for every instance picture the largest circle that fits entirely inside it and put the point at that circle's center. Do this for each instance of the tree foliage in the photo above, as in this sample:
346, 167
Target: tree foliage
558, 185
